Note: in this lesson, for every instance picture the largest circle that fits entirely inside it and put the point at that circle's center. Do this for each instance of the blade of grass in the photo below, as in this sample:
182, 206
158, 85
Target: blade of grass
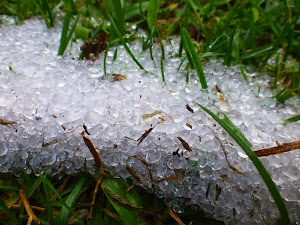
124, 43
220, 42
117, 13
161, 44
285, 30
162, 68
243, 73
48, 204
244, 144
6, 210
125, 203
182, 61
115, 55
50, 185
105, 56
284, 95
40, 8
185, 23
152, 12
188, 45
66, 33
292, 119
71, 200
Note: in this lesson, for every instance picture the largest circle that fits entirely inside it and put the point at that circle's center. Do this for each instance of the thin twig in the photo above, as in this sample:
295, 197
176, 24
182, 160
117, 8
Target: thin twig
28, 208
175, 217
61, 187
95, 195
281, 148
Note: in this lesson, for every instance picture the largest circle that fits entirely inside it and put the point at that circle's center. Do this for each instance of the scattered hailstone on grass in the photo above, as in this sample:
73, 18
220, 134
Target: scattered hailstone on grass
51, 98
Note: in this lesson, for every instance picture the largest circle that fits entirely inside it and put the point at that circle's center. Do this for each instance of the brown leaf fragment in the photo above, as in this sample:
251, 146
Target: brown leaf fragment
6, 122
85, 129
109, 213
173, 214
259, 209
61, 187
63, 127
149, 115
176, 152
207, 191
285, 147
199, 139
223, 176
138, 178
32, 216
189, 125
92, 149
218, 89
46, 144
37, 208
141, 139
184, 144
92, 48
119, 200
94, 196
117, 77
189, 108
225, 153
218, 192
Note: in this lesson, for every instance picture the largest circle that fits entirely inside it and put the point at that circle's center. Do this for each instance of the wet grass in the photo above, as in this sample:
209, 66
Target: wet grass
69, 200
260, 33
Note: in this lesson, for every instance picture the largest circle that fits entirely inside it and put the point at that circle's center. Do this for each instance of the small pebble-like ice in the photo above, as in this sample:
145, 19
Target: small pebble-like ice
51, 98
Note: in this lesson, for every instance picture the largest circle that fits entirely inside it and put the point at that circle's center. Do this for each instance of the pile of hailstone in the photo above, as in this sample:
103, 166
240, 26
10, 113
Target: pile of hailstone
54, 99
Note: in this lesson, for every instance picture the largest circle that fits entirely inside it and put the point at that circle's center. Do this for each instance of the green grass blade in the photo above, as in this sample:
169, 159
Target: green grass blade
256, 53
152, 12
161, 44
105, 56
187, 76
182, 61
34, 186
71, 31
50, 185
227, 125
66, 34
162, 68
276, 44
48, 204
6, 210
194, 57
124, 43
116, 189
292, 119
43, 13
71, 200
244, 74
219, 43
185, 23
284, 95
115, 55
117, 12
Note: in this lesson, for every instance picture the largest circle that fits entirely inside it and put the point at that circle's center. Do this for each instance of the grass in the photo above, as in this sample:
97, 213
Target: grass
68, 201
240, 32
